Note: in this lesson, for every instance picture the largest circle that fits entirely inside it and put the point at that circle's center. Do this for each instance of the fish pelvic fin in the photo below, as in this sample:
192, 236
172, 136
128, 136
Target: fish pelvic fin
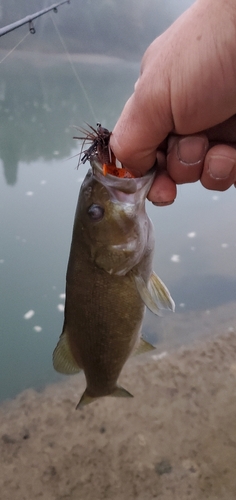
155, 294
86, 399
63, 361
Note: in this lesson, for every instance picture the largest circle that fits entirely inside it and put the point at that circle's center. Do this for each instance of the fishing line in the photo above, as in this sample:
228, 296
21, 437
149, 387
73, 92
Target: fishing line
14, 48
73, 69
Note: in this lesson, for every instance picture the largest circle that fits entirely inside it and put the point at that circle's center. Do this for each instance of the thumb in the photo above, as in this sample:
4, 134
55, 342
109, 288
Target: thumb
140, 128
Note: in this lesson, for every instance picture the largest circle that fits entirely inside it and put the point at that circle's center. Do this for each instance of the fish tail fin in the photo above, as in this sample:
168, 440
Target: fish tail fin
86, 399
120, 392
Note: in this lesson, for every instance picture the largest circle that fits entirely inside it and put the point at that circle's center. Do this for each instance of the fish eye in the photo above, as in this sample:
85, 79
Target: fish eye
96, 212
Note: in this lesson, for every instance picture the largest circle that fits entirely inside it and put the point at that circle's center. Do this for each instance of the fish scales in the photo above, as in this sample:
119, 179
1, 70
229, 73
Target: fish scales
109, 281
109, 331
104, 303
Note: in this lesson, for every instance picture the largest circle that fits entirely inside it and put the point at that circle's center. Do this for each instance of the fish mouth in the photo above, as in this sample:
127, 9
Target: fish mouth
138, 186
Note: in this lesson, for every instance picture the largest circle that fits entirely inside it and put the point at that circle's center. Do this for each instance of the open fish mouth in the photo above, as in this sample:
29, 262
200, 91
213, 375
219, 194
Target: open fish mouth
119, 187
105, 166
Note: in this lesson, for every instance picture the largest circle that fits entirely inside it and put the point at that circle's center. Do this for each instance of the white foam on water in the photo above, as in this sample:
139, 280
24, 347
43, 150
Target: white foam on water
37, 328
29, 314
29, 193
60, 307
175, 258
62, 296
192, 234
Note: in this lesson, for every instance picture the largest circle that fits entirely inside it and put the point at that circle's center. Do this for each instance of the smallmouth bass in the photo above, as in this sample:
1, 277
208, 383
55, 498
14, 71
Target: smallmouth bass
109, 281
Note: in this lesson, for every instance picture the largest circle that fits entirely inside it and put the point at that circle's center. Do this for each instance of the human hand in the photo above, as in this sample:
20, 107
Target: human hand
183, 110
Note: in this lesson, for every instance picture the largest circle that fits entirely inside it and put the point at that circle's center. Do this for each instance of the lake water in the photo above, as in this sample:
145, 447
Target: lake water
40, 100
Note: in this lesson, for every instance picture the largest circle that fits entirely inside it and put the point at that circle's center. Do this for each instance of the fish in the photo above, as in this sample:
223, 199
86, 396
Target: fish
109, 281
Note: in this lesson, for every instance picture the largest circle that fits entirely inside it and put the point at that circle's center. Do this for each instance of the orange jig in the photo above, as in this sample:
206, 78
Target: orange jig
118, 172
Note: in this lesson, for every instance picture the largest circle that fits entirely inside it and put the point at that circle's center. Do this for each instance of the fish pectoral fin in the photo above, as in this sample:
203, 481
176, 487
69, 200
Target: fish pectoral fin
155, 295
63, 361
86, 399
148, 298
158, 289
142, 346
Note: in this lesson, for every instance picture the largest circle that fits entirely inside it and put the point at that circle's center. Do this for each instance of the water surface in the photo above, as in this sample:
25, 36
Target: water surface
40, 99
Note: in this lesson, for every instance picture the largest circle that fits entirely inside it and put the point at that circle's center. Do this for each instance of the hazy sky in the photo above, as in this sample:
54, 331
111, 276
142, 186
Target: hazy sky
122, 29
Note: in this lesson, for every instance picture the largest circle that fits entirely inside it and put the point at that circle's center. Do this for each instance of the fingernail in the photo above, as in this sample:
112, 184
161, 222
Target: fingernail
162, 203
191, 150
220, 167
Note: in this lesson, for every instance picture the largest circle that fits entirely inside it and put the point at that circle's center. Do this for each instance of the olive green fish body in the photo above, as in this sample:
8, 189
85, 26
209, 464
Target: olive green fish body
102, 334
109, 281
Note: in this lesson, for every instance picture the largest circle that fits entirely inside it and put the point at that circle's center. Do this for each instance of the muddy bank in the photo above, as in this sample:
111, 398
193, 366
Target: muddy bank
175, 440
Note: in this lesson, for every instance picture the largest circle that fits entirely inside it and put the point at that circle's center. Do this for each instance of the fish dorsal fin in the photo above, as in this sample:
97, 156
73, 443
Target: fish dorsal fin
63, 360
155, 295
143, 346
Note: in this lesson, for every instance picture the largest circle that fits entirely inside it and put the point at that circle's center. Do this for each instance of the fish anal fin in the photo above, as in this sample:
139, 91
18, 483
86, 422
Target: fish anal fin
63, 361
143, 346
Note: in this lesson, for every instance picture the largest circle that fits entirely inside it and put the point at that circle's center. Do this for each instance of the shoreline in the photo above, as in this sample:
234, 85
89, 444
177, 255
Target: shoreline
176, 439
45, 58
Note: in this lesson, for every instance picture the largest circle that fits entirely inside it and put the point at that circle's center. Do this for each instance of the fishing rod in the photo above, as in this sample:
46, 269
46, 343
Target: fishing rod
29, 19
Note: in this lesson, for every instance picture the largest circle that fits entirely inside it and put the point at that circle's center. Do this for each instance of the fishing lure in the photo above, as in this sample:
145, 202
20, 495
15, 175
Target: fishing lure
99, 140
